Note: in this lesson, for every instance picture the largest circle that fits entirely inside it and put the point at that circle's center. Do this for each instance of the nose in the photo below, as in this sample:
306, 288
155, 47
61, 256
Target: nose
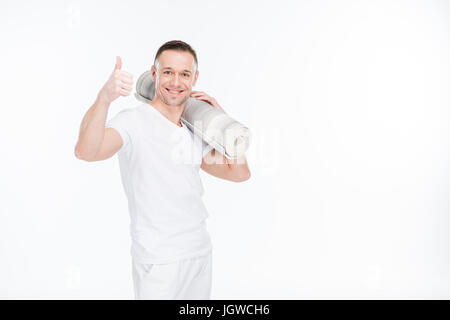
176, 81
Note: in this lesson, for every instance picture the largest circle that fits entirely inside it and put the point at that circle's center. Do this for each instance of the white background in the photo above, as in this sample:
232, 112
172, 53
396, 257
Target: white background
348, 103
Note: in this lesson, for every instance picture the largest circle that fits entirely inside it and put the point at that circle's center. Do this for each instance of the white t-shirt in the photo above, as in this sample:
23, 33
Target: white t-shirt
159, 165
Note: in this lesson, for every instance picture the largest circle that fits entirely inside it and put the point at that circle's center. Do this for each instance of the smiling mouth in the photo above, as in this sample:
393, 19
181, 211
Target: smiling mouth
174, 92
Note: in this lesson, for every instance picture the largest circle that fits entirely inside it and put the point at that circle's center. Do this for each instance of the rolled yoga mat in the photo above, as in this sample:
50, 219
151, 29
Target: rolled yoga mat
223, 133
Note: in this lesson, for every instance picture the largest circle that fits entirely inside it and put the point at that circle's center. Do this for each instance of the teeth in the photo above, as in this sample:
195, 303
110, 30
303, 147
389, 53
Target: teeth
174, 91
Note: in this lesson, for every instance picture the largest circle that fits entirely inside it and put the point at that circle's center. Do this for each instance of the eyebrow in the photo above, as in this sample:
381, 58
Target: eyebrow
185, 70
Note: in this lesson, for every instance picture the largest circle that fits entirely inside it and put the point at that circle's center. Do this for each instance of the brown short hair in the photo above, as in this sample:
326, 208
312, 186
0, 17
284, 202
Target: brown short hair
177, 45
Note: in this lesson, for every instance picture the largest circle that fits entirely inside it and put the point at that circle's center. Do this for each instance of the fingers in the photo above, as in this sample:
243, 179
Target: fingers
125, 80
125, 73
118, 65
122, 82
124, 92
197, 93
121, 85
121, 74
206, 100
121, 78
200, 96
125, 86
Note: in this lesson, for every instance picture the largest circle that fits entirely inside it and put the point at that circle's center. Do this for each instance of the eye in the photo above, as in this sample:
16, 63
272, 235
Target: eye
166, 72
186, 74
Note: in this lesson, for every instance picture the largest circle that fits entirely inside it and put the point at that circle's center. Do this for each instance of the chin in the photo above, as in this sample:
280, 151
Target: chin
175, 103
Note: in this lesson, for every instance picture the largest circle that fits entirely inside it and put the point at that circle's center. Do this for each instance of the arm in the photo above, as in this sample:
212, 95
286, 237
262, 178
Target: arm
218, 165
95, 142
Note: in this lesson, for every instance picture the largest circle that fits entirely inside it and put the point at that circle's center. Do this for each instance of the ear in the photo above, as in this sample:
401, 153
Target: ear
195, 78
153, 73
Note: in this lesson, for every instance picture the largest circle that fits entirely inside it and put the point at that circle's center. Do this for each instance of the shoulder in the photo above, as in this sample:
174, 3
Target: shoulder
123, 119
134, 109
128, 113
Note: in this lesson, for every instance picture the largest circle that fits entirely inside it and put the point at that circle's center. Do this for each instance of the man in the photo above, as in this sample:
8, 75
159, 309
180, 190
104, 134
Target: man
159, 161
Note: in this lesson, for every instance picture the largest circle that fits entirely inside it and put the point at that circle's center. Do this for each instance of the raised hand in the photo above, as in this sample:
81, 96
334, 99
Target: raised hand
120, 83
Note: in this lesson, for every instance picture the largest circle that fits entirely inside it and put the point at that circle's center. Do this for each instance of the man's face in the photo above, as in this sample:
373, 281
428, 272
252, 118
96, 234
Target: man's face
174, 78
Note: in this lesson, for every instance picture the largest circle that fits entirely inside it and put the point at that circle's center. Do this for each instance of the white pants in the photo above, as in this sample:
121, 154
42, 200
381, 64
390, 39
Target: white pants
188, 279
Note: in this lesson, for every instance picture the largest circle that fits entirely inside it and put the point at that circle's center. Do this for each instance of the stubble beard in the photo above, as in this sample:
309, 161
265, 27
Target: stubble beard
173, 103
167, 100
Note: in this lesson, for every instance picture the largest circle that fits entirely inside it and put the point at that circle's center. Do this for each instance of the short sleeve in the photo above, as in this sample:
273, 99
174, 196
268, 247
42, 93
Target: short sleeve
123, 124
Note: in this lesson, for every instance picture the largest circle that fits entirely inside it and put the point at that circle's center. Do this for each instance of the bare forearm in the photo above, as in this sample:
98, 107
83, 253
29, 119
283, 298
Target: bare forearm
239, 168
92, 130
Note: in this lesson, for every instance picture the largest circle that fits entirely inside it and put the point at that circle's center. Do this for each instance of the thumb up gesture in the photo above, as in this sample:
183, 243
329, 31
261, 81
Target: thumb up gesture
120, 83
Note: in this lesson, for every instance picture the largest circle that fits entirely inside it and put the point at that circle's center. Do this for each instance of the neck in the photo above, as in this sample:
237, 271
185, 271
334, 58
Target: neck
170, 112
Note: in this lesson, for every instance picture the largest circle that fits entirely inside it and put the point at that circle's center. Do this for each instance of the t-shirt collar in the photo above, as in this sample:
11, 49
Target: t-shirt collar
151, 107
